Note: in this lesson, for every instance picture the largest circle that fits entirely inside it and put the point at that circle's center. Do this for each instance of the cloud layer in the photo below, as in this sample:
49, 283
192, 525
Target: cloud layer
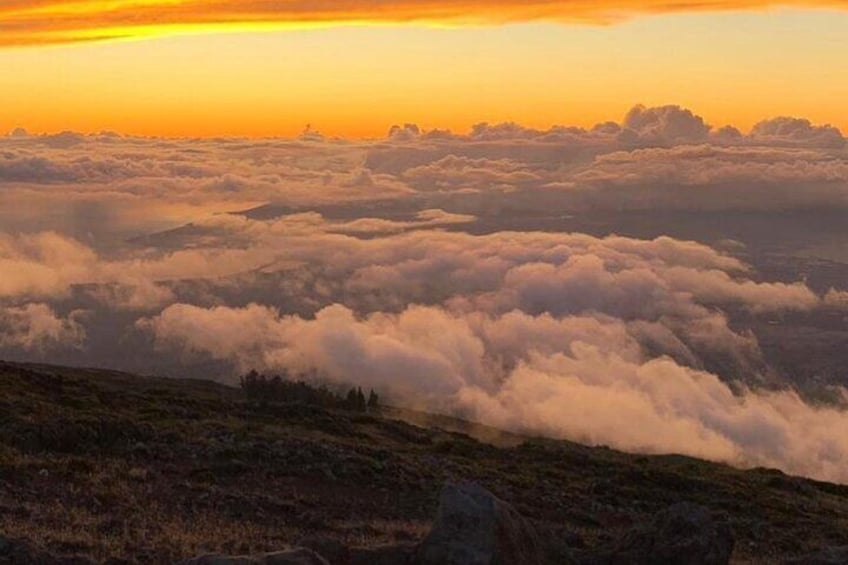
581, 378
479, 274
60, 21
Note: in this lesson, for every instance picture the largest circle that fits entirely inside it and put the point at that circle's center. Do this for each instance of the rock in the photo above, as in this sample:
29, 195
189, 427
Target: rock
827, 556
298, 556
473, 527
683, 534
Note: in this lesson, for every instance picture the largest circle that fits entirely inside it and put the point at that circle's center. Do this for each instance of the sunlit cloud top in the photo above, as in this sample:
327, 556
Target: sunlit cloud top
36, 22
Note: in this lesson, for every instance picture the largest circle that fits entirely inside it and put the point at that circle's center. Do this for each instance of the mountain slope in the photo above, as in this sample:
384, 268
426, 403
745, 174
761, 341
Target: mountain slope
111, 465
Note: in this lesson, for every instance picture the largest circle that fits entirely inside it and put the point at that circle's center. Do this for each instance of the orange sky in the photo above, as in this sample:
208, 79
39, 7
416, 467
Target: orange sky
51, 21
191, 79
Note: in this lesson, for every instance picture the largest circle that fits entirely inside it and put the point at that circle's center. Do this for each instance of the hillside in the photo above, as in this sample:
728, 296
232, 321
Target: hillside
135, 469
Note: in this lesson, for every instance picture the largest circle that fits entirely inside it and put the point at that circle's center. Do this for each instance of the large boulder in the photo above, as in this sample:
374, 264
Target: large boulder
298, 556
473, 527
827, 556
683, 534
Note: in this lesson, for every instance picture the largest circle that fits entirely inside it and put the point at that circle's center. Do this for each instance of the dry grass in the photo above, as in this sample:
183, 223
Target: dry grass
147, 470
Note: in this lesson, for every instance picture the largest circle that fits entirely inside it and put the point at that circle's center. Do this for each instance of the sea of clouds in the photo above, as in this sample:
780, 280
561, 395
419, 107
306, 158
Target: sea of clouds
417, 265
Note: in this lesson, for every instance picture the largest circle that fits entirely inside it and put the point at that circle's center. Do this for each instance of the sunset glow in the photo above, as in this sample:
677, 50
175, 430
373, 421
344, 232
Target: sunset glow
267, 72
56, 21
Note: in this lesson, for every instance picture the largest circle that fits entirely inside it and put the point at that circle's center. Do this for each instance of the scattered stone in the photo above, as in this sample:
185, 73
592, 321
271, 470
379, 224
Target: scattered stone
473, 527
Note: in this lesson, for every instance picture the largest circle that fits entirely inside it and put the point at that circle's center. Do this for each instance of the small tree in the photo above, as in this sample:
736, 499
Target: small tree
373, 401
361, 405
251, 384
263, 389
350, 401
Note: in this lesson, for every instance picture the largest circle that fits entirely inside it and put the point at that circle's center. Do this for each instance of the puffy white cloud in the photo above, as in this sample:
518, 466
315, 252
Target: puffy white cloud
797, 131
670, 286
664, 125
19, 132
423, 219
142, 295
42, 264
36, 327
407, 132
582, 378
837, 299
417, 265
711, 177
98, 186
454, 172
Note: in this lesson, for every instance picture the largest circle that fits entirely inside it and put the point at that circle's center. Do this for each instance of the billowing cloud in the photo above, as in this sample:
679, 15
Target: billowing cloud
142, 295
665, 125
452, 270
44, 264
576, 377
797, 131
454, 172
94, 187
422, 219
710, 177
837, 299
36, 327
58, 21
406, 132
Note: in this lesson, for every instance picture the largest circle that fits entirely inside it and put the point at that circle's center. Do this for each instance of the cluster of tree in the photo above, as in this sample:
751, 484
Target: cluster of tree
355, 400
262, 388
